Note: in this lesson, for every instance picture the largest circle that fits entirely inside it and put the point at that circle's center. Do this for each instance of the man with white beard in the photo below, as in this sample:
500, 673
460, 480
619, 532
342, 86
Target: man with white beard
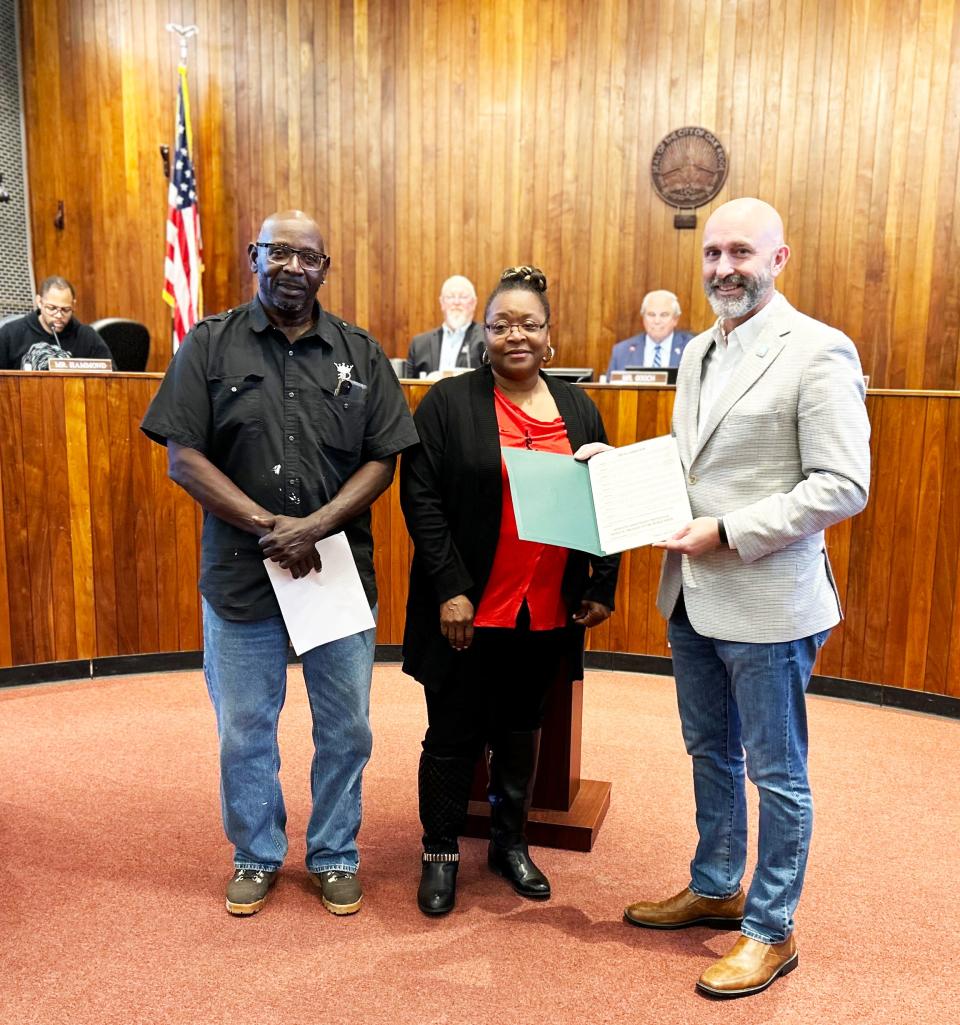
458, 342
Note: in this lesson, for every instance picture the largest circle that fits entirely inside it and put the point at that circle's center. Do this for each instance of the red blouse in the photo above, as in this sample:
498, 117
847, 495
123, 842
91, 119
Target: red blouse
524, 569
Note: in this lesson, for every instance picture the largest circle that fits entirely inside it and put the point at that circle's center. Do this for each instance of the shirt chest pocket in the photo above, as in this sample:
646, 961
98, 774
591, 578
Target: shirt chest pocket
339, 420
237, 401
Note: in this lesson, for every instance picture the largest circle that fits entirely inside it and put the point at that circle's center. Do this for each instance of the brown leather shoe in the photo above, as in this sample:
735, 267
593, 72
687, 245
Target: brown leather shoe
749, 967
685, 909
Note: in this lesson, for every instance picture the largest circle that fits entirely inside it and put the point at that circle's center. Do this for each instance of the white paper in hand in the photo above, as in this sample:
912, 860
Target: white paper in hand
325, 606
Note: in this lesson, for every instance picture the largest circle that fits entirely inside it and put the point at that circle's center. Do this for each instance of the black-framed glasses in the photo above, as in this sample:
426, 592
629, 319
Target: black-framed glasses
281, 255
51, 311
501, 328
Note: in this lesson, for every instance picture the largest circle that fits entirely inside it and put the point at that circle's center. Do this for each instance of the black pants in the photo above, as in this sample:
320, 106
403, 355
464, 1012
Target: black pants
501, 687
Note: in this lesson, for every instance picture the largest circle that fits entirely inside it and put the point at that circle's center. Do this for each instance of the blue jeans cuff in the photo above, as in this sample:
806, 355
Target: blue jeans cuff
752, 935
713, 896
333, 866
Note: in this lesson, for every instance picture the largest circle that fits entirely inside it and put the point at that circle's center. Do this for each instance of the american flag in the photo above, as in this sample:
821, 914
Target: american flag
184, 260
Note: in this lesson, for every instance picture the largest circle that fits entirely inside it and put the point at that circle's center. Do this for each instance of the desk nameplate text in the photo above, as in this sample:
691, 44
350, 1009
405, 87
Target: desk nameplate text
76, 365
647, 377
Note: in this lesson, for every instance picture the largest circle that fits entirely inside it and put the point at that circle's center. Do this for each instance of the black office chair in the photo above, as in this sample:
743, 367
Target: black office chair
128, 342
10, 318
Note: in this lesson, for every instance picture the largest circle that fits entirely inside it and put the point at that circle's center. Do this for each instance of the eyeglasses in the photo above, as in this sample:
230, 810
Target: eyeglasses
501, 329
282, 255
52, 311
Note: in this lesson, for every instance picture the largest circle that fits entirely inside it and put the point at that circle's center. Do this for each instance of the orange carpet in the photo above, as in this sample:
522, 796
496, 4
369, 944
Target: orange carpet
114, 867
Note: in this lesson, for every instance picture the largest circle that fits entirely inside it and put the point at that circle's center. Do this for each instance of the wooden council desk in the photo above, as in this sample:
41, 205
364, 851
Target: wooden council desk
99, 550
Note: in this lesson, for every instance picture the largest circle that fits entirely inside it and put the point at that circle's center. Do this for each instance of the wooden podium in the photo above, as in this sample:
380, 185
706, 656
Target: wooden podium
567, 811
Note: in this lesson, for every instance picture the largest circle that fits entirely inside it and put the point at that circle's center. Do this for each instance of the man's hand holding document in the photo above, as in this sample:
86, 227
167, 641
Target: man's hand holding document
324, 605
621, 498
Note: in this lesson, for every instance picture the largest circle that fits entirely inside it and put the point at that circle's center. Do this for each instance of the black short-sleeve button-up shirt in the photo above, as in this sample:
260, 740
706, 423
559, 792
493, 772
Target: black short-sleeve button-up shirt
288, 423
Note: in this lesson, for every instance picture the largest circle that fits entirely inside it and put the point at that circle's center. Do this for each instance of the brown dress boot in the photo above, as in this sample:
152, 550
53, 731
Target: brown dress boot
687, 908
749, 967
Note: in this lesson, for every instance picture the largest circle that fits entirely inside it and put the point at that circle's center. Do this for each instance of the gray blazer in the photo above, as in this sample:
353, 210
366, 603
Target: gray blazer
785, 453
424, 352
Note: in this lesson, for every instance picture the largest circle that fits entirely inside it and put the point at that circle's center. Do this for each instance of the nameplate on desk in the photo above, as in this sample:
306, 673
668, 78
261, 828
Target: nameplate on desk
76, 365
656, 377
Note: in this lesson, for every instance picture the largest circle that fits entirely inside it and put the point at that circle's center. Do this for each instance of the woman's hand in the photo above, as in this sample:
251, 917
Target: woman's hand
591, 613
588, 451
456, 622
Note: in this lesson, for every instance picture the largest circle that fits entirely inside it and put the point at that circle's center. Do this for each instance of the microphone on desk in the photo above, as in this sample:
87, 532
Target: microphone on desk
55, 330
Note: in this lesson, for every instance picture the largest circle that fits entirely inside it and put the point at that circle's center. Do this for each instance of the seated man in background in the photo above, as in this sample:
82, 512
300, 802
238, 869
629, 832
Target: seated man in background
458, 341
50, 332
659, 344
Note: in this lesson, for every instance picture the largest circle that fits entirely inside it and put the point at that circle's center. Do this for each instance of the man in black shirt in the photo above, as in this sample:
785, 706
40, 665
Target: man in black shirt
50, 331
284, 423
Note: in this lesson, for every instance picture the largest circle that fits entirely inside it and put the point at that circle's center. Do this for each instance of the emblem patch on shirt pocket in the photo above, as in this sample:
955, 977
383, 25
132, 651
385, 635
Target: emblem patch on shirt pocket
341, 419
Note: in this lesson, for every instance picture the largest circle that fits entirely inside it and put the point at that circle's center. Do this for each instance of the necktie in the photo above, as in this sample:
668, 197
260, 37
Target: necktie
656, 353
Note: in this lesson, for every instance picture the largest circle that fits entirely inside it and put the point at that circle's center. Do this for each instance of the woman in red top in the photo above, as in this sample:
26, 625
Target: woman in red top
492, 621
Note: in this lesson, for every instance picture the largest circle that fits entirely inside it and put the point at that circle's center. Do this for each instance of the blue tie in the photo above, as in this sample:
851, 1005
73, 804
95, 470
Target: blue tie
656, 353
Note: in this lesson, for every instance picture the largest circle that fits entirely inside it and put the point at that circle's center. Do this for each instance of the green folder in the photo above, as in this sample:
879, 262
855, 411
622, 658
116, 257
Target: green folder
552, 499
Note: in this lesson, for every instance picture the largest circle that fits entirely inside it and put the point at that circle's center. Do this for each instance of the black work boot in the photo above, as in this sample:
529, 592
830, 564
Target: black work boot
444, 785
513, 770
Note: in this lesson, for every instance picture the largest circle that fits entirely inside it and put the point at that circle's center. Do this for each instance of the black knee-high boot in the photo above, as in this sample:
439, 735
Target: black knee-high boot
513, 770
444, 785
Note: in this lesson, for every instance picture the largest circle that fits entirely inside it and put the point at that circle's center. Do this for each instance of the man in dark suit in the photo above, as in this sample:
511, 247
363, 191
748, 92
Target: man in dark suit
659, 344
458, 342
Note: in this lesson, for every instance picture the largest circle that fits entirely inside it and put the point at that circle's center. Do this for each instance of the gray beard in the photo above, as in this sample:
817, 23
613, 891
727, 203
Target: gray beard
457, 319
754, 289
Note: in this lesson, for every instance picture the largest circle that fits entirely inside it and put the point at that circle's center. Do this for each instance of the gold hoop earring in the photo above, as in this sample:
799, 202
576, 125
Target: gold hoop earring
485, 356
547, 358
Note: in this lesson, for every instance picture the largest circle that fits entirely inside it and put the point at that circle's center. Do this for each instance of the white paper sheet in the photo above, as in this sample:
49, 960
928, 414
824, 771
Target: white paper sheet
639, 493
324, 606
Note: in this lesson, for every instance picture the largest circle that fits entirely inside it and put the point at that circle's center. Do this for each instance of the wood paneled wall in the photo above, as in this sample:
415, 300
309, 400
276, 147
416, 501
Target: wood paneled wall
99, 550
434, 137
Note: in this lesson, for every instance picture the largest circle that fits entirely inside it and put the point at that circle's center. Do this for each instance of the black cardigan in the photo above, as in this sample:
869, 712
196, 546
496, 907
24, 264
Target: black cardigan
451, 493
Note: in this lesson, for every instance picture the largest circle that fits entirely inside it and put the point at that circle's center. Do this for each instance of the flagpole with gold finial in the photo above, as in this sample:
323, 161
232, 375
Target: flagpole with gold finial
184, 32
183, 262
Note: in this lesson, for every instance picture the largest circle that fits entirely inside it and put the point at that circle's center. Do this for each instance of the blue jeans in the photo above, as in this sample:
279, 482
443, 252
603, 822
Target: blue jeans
245, 665
737, 698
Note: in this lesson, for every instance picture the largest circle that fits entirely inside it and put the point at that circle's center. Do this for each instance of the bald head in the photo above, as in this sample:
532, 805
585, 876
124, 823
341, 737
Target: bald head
282, 219
458, 300
752, 217
743, 252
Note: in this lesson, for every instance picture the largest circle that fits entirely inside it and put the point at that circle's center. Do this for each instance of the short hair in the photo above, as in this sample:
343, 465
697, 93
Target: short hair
467, 284
55, 281
523, 279
676, 302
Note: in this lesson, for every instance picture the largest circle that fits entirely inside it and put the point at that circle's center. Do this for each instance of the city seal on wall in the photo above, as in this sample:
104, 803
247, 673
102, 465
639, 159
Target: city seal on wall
689, 168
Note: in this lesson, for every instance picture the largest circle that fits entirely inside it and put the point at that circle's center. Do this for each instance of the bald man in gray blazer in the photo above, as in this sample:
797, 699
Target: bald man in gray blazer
774, 441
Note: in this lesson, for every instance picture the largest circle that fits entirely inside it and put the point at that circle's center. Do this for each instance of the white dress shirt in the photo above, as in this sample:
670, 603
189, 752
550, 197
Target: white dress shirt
451, 345
725, 355
649, 345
